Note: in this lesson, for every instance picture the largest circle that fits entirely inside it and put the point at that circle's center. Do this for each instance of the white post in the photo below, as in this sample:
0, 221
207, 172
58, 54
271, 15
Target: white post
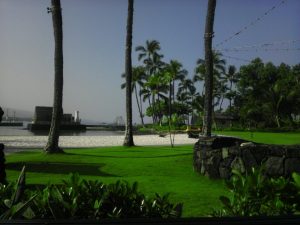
76, 117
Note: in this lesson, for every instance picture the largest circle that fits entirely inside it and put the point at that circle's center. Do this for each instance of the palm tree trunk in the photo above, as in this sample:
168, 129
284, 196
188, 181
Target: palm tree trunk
53, 138
138, 104
208, 67
141, 104
230, 97
128, 141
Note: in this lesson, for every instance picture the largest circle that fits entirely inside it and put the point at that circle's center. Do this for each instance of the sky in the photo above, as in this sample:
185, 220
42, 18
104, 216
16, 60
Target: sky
94, 34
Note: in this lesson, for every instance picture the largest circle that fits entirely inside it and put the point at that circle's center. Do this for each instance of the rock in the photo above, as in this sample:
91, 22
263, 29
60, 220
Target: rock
274, 166
212, 163
2, 165
238, 164
224, 153
249, 160
196, 157
234, 150
225, 173
258, 152
291, 165
293, 151
225, 169
275, 150
247, 144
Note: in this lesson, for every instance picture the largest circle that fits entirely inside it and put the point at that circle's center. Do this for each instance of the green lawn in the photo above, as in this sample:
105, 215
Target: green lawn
156, 169
287, 138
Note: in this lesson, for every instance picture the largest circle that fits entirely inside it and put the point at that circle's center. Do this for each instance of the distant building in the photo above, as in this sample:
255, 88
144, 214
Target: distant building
43, 115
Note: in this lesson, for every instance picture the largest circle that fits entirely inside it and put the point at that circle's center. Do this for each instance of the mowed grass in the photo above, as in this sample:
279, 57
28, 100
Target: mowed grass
288, 138
156, 169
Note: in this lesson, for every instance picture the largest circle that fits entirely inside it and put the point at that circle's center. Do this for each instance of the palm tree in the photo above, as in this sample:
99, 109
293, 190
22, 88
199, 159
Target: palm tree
218, 70
153, 64
53, 138
128, 140
157, 86
231, 77
176, 72
138, 77
208, 67
186, 92
149, 54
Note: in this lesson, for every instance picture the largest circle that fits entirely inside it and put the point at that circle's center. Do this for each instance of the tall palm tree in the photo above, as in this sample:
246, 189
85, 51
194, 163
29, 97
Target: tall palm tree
154, 66
186, 93
176, 73
231, 77
157, 86
138, 77
208, 67
218, 70
128, 140
148, 53
53, 138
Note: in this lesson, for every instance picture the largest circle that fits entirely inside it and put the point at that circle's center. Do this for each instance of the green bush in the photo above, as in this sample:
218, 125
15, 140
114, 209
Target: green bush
82, 199
257, 195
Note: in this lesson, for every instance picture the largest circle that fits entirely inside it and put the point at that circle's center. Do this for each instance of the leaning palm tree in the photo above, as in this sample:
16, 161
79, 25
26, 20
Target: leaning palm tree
128, 140
53, 138
208, 67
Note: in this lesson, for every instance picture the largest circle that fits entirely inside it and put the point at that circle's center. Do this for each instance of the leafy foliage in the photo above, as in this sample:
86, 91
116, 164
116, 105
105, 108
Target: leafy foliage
257, 195
79, 198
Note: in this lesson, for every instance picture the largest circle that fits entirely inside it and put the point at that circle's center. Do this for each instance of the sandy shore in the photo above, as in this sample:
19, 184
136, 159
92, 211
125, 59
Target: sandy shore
19, 143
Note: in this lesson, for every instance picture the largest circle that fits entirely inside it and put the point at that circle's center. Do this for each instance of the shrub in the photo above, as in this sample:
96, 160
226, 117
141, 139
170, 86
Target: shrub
83, 199
257, 195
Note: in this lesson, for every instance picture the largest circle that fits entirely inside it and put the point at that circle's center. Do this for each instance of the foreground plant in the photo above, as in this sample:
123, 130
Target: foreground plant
77, 198
257, 195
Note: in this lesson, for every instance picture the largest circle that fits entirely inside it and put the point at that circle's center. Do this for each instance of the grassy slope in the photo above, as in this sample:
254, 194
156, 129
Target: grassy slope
157, 169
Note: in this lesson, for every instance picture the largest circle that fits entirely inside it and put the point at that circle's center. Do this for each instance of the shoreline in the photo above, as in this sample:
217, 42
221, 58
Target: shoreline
21, 143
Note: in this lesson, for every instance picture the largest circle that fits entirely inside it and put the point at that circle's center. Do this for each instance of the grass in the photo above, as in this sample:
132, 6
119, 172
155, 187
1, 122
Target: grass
288, 138
158, 169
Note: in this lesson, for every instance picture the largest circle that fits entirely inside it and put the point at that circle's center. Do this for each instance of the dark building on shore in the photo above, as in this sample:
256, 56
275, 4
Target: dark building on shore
43, 115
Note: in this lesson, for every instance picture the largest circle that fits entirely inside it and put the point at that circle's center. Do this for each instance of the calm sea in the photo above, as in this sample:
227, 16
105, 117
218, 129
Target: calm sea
22, 131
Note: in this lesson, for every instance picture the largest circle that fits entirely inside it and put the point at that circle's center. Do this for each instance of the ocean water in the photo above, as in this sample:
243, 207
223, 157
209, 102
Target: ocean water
22, 131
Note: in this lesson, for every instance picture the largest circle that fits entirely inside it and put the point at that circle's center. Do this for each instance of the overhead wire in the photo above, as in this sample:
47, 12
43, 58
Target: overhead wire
264, 45
252, 23
235, 58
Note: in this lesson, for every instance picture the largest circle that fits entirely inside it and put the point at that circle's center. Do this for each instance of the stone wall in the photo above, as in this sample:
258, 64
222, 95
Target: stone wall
217, 156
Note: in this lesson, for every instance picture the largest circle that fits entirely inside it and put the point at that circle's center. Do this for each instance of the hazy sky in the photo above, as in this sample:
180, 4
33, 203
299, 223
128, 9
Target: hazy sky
94, 45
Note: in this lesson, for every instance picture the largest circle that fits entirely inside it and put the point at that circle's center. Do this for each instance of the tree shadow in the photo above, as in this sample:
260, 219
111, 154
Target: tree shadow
60, 168
132, 157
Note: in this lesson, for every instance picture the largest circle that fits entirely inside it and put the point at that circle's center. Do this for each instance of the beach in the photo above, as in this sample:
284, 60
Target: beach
21, 143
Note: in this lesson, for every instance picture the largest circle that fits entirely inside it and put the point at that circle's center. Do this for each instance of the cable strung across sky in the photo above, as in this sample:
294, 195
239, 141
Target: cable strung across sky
264, 45
259, 49
252, 23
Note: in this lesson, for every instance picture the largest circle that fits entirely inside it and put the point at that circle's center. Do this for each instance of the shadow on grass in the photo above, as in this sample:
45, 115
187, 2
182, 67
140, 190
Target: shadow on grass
131, 157
60, 168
